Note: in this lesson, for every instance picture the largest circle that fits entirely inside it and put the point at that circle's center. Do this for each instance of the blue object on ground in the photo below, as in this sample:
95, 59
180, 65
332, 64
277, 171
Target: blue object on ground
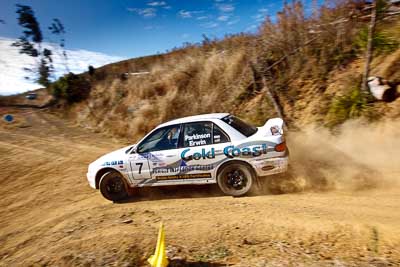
8, 118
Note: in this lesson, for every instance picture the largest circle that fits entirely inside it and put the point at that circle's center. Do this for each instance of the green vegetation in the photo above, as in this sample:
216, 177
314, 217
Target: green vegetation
349, 106
71, 87
31, 43
214, 254
91, 70
303, 64
383, 42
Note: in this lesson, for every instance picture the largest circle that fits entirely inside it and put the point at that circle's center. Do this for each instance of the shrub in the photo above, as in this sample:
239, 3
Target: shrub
352, 105
91, 70
381, 42
71, 87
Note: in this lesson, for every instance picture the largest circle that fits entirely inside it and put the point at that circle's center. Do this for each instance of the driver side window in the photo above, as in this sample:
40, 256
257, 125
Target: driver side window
161, 139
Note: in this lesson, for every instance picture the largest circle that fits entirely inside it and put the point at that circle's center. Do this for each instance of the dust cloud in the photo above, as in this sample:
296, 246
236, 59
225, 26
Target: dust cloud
357, 156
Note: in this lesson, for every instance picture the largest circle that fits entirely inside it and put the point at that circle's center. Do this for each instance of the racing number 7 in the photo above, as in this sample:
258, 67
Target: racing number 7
140, 167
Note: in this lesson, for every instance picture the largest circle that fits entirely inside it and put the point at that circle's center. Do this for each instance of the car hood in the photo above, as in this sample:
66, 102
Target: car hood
118, 154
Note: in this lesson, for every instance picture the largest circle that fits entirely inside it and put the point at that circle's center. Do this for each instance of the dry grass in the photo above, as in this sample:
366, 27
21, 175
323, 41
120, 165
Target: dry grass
226, 75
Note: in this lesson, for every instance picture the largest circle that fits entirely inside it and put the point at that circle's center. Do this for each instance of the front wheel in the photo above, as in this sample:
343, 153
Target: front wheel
235, 179
112, 186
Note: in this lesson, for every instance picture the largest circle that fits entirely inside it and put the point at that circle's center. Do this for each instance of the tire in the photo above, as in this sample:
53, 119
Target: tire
112, 186
235, 179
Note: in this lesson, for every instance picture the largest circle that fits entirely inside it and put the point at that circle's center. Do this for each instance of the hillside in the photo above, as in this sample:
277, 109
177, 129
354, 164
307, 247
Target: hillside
238, 73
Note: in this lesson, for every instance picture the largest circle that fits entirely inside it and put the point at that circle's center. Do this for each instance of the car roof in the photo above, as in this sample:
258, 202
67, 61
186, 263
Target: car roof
201, 117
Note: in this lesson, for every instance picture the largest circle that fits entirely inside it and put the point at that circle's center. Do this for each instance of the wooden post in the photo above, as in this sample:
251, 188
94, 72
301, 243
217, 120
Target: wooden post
274, 102
368, 55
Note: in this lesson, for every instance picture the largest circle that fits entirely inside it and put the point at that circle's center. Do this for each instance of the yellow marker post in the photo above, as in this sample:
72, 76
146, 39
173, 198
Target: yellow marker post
159, 259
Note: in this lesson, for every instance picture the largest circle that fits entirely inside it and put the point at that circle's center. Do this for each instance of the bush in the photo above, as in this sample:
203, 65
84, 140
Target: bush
382, 42
71, 87
350, 106
91, 70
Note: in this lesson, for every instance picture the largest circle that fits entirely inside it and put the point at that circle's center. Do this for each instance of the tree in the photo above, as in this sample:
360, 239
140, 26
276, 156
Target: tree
368, 54
379, 10
71, 87
31, 43
91, 70
57, 28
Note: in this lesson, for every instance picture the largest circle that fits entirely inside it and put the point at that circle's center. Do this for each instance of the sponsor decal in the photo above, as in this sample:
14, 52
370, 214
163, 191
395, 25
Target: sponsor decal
184, 176
197, 155
113, 163
229, 152
150, 156
183, 169
197, 139
255, 151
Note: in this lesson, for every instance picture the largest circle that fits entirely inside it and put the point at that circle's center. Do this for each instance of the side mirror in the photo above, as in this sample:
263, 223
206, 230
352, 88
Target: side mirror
131, 150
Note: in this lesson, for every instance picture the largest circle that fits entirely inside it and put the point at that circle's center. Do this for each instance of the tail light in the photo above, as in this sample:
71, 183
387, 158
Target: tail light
280, 147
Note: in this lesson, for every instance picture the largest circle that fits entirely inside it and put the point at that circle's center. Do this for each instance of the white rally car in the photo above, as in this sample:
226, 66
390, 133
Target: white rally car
204, 149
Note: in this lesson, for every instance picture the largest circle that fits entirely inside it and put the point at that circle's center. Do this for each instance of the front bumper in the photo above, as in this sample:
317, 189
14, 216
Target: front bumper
91, 177
269, 166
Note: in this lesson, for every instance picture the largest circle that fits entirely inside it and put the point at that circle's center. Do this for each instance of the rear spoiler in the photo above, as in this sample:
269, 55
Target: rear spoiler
273, 126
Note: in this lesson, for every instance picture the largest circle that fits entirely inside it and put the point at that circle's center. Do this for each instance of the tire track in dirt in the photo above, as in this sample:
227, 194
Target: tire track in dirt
51, 216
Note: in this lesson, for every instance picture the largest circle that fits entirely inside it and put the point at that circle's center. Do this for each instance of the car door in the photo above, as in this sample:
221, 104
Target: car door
138, 168
203, 144
161, 151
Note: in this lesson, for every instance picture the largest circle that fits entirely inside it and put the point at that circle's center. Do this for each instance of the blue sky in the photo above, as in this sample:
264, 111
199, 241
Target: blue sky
132, 28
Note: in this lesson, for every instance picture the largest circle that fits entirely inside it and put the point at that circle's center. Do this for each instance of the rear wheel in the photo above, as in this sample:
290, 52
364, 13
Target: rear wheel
235, 179
112, 186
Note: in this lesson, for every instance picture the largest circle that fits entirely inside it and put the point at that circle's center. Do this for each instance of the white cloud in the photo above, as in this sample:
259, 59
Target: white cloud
157, 3
251, 28
210, 24
223, 18
262, 13
185, 36
148, 12
12, 75
259, 17
188, 14
225, 7
234, 21
202, 18
185, 14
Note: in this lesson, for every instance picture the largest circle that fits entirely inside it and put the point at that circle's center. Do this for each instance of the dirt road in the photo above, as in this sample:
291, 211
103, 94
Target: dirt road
50, 216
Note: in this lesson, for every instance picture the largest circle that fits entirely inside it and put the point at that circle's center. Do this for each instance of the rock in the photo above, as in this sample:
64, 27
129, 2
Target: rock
247, 242
382, 89
127, 221
178, 258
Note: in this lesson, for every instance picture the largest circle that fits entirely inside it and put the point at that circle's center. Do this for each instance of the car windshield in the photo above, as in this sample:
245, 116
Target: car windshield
241, 126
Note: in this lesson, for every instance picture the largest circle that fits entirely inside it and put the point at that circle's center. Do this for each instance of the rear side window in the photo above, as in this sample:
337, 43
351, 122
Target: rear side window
197, 134
219, 136
241, 126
